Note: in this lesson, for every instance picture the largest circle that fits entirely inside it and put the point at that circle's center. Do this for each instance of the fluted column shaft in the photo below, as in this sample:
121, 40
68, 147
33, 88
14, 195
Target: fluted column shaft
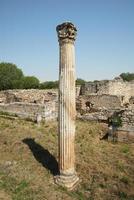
67, 111
66, 107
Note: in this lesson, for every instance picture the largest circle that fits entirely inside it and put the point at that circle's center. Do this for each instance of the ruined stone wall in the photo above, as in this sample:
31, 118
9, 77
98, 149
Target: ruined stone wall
125, 131
96, 87
31, 95
114, 87
47, 111
45, 102
105, 101
121, 88
28, 96
95, 102
30, 103
127, 117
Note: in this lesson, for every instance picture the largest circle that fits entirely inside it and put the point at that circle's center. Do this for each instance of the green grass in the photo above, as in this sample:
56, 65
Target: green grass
125, 180
125, 149
17, 190
8, 114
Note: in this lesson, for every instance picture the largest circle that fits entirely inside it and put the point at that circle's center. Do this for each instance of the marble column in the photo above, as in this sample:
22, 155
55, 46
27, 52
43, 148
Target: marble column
66, 36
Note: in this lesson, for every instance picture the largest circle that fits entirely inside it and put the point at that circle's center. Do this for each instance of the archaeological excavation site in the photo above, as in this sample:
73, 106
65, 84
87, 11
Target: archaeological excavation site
72, 142
95, 101
104, 140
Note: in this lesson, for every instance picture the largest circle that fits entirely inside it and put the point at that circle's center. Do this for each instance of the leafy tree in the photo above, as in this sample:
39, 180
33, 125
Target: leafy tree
9, 73
49, 85
80, 81
29, 82
127, 76
18, 84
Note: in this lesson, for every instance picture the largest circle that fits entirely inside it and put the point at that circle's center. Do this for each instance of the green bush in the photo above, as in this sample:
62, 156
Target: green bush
127, 76
49, 85
115, 120
80, 81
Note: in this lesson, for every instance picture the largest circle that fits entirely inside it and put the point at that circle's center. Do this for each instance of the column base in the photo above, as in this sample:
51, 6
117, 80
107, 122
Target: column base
68, 181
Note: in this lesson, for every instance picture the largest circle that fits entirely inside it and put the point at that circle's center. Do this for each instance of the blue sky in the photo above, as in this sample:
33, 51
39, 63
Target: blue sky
104, 44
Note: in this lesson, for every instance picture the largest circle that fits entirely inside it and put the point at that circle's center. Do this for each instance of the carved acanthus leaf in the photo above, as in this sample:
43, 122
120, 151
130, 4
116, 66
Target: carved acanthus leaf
66, 30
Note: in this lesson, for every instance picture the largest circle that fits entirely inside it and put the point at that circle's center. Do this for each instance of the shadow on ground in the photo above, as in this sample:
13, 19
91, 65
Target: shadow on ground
43, 156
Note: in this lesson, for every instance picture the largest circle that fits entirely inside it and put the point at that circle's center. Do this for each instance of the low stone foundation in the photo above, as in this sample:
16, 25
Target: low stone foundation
121, 135
46, 111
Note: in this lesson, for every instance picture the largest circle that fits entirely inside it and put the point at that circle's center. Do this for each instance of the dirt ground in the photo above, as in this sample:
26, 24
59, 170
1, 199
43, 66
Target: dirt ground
28, 163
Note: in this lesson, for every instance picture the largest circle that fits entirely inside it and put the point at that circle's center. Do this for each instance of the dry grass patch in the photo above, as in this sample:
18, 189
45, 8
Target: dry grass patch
28, 162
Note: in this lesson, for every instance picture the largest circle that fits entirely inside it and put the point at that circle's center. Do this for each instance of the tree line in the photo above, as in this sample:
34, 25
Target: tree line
11, 77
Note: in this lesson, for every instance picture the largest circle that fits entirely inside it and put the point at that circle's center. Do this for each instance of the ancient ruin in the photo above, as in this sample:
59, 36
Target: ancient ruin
29, 104
103, 100
116, 87
66, 119
95, 101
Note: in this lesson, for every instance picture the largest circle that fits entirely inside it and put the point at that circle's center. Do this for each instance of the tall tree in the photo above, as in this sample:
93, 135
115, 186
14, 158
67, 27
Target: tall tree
9, 73
29, 82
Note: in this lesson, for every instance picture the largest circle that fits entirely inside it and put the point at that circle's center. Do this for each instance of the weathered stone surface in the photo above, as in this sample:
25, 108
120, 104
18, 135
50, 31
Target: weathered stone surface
67, 111
120, 134
116, 87
127, 117
125, 132
47, 111
92, 103
96, 116
67, 31
125, 135
131, 100
28, 96
31, 95
30, 103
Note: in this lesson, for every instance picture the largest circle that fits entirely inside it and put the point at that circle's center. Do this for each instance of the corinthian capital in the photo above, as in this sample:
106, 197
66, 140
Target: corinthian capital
66, 32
